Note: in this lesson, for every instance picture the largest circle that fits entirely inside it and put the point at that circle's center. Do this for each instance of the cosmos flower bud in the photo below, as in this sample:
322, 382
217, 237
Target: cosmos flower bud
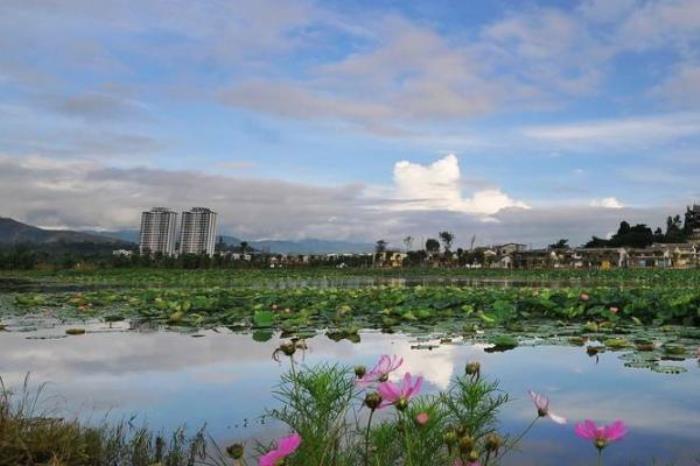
383, 378
449, 437
235, 451
373, 400
422, 418
493, 442
466, 443
473, 368
401, 404
360, 371
288, 348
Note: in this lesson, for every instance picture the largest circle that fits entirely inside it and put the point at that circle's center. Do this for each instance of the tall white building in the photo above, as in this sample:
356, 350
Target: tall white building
198, 231
158, 231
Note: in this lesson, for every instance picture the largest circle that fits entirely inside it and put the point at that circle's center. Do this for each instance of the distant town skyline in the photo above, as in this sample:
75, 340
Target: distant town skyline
512, 121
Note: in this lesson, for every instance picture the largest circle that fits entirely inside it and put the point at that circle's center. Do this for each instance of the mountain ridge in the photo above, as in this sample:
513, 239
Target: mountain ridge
302, 246
15, 232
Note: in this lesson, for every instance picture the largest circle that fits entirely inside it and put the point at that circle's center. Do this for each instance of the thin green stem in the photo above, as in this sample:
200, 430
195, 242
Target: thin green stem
369, 423
512, 444
600, 457
407, 444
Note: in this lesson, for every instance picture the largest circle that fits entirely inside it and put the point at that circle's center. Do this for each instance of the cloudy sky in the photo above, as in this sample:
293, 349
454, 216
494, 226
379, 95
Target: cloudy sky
528, 120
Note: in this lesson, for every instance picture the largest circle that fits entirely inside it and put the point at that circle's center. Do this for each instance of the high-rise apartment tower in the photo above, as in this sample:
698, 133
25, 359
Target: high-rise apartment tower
198, 231
158, 231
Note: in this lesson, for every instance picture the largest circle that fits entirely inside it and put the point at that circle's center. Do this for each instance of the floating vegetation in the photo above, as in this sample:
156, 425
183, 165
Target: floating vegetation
617, 343
656, 312
502, 343
672, 349
668, 369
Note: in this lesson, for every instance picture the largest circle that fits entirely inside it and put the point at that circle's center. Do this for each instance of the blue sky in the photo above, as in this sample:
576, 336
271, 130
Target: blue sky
352, 119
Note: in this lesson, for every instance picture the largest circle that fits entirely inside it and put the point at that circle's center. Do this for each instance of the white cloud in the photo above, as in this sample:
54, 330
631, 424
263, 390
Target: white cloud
438, 187
660, 23
607, 203
622, 133
682, 87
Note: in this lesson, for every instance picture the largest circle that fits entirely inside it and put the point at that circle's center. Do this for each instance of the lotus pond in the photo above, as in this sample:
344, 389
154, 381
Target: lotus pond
195, 347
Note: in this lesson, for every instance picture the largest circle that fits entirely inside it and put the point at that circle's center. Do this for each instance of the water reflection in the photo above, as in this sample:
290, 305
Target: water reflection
225, 379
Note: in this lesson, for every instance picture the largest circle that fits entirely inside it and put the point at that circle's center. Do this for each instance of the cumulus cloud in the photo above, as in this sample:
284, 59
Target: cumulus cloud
607, 203
438, 186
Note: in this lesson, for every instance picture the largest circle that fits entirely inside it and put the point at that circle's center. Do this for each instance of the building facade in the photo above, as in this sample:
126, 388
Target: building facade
158, 231
198, 231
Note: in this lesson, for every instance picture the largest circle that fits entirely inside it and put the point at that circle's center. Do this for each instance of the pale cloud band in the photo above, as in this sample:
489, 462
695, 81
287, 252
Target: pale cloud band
90, 195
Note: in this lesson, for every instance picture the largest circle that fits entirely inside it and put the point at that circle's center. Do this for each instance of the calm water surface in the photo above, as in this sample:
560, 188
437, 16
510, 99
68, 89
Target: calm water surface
225, 380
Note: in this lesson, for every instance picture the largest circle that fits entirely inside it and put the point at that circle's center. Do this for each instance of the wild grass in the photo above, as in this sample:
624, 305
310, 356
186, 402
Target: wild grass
30, 435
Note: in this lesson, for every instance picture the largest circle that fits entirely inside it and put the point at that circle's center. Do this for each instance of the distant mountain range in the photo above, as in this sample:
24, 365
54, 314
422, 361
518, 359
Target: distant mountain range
14, 232
304, 246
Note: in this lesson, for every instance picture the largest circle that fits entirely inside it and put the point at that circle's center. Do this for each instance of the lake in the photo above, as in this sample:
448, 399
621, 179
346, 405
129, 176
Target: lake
225, 379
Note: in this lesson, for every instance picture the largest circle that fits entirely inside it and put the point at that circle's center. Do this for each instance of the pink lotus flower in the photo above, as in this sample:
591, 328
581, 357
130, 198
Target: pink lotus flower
603, 435
285, 447
399, 395
542, 405
422, 418
386, 365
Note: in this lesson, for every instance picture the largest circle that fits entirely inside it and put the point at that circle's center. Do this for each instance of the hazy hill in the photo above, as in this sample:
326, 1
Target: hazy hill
14, 232
311, 246
304, 246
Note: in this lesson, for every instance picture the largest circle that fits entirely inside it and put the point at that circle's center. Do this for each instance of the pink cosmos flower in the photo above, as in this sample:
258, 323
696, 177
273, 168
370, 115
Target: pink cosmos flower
422, 418
285, 447
584, 297
542, 404
614, 309
603, 435
381, 370
399, 395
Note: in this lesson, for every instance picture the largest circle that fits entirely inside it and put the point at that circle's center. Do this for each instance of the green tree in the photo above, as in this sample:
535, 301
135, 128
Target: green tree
561, 244
432, 245
380, 247
446, 237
